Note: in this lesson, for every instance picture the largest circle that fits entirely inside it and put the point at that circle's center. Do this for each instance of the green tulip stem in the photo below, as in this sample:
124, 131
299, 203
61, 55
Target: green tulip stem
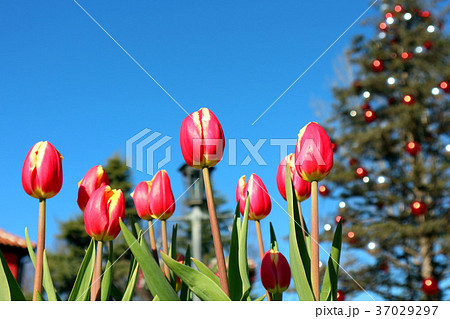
96, 278
277, 297
39, 251
301, 220
165, 247
152, 240
315, 239
216, 233
261, 248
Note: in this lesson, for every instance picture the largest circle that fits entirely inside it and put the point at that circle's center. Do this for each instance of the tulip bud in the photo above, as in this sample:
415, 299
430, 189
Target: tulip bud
94, 178
259, 202
313, 153
275, 272
302, 187
162, 203
42, 171
180, 259
102, 213
141, 198
202, 140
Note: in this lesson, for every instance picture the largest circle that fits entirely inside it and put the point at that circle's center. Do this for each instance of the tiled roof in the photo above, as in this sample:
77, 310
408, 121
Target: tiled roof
8, 239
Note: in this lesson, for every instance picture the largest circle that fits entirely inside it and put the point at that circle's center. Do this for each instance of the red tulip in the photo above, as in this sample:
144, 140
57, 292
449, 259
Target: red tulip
202, 140
162, 203
102, 213
42, 171
275, 272
259, 202
313, 153
141, 198
94, 178
340, 296
302, 187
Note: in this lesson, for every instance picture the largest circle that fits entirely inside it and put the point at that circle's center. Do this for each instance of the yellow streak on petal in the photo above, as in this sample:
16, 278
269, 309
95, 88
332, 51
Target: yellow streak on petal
40, 152
113, 198
79, 183
206, 118
196, 120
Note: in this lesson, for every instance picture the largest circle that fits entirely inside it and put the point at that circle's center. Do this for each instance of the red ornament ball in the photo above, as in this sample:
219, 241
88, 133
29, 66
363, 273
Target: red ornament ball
424, 14
389, 15
324, 191
430, 286
383, 26
339, 218
353, 161
445, 86
384, 266
408, 99
413, 148
398, 8
407, 55
370, 116
428, 44
365, 106
377, 66
418, 208
334, 147
361, 172
340, 296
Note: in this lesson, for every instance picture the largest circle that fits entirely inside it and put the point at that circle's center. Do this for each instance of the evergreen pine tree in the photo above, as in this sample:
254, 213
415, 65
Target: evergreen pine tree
391, 132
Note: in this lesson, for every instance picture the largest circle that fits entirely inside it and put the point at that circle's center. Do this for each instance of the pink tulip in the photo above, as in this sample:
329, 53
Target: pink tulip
94, 178
202, 140
259, 202
302, 187
313, 153
102, 213
275, 272
162, 203
141, 198
42, 171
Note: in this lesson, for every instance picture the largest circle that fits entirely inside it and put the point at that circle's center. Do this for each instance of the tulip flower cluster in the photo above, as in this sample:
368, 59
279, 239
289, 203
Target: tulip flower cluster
202, 144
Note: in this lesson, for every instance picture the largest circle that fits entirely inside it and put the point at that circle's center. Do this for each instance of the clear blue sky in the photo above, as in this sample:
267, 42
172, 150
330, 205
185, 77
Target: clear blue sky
64, 80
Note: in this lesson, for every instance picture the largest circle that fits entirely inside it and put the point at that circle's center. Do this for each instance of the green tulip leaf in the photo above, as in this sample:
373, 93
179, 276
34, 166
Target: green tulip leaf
243, 262
9, 288
200, 284
115, 292
80, 290
47, 282
273, 239
330, 280
206, 271
260, 298
234, 277
156, 298
107, 276
153, 275
131, 284
173, 255
299, 257
185, 293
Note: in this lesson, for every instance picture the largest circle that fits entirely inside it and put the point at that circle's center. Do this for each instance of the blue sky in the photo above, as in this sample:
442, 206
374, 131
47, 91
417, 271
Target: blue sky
64, 80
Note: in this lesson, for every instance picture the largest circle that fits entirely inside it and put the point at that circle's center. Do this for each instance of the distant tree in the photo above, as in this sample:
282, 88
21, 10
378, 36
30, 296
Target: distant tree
73, 239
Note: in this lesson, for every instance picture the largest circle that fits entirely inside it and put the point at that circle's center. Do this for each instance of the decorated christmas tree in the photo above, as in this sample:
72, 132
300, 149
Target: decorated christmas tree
391, 128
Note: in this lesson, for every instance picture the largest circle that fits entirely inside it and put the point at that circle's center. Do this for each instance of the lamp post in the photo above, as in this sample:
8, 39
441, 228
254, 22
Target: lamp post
196, 201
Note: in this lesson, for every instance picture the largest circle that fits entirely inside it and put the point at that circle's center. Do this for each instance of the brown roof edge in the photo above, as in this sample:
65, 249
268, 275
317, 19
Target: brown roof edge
9, 239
